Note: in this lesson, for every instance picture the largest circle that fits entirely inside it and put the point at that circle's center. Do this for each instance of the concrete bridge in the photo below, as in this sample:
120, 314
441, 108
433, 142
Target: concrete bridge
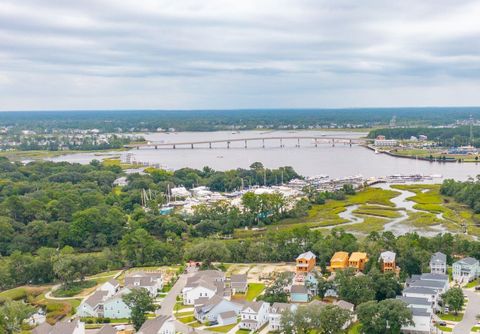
225, 143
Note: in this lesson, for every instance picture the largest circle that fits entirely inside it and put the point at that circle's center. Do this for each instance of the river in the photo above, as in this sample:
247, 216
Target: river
308, 160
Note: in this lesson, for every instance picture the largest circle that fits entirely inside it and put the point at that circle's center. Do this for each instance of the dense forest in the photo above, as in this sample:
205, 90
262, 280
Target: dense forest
208, 120
467, 192
448, 137
62, 221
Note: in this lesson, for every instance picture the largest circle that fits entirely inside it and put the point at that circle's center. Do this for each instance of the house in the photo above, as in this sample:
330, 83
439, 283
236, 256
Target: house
305, 263
238, 283
160, 325
388, 262
107, 329
115, 308
311, 282
438, 263
348, 307
93, 305
111, 286
208, 310
254, 315
339, 261
299, 294
63, 327
465, 270
227, 318
275, 315
432, 295
417, 302
151, 281
204, 284
358, 260
439, 286
422, 322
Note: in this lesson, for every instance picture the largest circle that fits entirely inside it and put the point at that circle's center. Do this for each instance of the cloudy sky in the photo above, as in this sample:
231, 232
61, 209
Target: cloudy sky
192, 54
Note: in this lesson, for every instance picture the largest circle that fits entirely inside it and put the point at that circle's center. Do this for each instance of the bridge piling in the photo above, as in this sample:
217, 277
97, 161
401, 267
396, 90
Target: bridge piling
333, 142
228, 144
192, 146
263, 143
245, 143
281, 142
298, 142
350, 143
210, 145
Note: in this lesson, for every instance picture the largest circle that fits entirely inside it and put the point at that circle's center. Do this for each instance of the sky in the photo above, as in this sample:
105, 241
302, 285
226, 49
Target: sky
229, 54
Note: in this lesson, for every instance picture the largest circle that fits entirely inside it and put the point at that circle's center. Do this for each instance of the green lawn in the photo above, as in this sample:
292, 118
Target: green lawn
451, 317
254, 290
187, 319
222, 329
475, 329
445, 329
74, 288
242, 331
472, 284
354, 329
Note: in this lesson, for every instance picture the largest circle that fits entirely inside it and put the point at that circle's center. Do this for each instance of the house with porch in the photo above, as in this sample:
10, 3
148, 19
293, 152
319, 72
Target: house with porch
388, 262
438, 263
151, 281
254, 315
339, 261
160, 325
358, 261
208, 310
465, 270
305, 263
275, 315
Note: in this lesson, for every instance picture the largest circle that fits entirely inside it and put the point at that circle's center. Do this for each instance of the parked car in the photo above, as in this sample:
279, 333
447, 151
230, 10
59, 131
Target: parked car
477, 288
441, 323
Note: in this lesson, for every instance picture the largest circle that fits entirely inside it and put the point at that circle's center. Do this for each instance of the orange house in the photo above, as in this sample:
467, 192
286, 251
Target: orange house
306, 262
339, 261
358, 260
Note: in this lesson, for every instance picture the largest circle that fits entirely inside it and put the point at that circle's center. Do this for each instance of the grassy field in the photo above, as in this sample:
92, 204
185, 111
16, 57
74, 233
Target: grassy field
375, 200
221, 329
254, 290
74, 289
451, 317
40, 155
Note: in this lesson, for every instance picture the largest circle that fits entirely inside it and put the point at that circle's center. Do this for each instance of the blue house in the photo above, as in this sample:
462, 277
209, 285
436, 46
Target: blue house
299, 294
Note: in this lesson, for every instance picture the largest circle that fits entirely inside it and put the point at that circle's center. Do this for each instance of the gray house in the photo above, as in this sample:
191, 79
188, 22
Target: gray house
466, 270
438, 263
238, 283
209, 310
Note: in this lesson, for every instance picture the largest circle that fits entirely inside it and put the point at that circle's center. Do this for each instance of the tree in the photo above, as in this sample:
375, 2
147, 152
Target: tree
333, 319
12, 314
386, 285
140, 303
354, 289
208, 252
454, 298
303, 320
385, 317
275, 293
65, 269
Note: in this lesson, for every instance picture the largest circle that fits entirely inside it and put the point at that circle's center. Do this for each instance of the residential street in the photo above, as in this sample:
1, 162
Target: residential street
470, 317
168, 305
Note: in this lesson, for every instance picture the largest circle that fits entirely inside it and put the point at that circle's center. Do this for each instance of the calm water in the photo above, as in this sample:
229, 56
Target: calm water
341, 160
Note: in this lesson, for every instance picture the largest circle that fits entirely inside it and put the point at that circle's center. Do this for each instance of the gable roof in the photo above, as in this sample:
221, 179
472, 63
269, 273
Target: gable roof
227, 315
339, 256
468, 261
414, 300
345, 305
44, 328
420, 290
307, 256
96, 298
113, 282
238, 278
278, 308
64, 327
357, 256
107, 329
255, 306
438, 257
388, 256
434, 277
152, 326
298, 289
428, 284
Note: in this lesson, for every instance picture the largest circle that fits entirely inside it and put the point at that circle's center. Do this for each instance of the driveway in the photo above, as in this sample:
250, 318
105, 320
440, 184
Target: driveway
168, 306
470, 316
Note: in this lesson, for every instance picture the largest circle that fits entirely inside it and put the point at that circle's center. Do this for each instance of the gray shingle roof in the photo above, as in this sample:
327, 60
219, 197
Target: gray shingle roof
420, 312
152, 326
388, 256
438, 258
428, 284
278, 308
307, 255
239, 278
107, 329
64, 327
298, 289
434, 277
414, 300
255, 306
467, 261
44, 328
96, 298
420, 290
228, 315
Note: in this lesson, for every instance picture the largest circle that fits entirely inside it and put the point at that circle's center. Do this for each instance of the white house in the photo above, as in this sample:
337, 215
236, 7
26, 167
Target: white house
275, 315
151, 281
227, 318
112, 287
438, 263
254, 315
114, 307
160, 325
209, 310
422, 322
63, 327
466, 270
239, 283
93, 305
204, 284
439, 286
420, 292
417, 302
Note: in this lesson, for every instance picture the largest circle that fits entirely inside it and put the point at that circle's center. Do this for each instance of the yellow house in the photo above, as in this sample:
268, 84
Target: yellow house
339, 261
358, 260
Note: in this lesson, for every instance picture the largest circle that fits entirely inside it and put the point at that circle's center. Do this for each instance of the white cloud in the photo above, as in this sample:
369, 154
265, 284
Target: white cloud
231, 54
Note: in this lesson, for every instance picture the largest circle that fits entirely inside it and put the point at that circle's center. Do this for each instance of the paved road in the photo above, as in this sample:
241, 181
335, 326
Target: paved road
470, 316
168, 305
